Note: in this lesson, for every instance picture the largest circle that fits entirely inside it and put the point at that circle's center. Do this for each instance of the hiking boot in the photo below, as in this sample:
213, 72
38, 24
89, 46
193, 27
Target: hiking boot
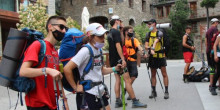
138, 104
153, 94
218, 87
213, 92
166, 95
118, 103
185, 78
210, 88
128, 98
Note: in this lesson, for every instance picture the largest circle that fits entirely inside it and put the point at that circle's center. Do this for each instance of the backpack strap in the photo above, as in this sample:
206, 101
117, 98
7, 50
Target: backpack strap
90, 63
42, 53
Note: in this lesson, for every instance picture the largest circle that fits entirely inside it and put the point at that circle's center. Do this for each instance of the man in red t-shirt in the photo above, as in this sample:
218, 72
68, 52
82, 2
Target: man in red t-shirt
43, 97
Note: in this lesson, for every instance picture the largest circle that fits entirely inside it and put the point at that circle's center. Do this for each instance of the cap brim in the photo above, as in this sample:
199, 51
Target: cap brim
101, 32
146, 21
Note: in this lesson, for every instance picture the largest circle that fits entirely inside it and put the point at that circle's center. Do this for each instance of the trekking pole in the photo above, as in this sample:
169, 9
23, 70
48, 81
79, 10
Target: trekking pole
123, 92
62, 93
110, 87
149, 76
160, 82
55, 90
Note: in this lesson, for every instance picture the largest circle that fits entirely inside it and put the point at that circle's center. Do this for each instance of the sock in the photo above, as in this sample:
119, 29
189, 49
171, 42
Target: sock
154, 88
118, 99
166, 89
134, 99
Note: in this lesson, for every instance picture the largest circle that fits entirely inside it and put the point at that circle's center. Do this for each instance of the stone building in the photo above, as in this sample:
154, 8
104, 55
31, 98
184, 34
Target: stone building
132, 12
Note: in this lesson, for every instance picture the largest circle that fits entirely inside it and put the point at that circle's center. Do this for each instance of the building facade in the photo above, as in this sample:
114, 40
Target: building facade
132, 12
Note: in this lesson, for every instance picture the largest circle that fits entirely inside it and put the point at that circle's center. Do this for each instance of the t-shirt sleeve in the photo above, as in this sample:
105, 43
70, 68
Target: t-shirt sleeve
81, 56
31, 54
147, 37
136, 42
160, 35
116, 36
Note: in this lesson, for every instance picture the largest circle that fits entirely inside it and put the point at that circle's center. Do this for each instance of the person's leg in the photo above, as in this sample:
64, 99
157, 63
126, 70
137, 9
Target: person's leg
153, 80
186, 68
166, 81
130, 91
211, 74
118, 102
216, 77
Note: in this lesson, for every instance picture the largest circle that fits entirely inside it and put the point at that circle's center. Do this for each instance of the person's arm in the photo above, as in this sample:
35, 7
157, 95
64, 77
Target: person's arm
119, 50
106, 71
27, 71
184, 42
70, 77
215, 49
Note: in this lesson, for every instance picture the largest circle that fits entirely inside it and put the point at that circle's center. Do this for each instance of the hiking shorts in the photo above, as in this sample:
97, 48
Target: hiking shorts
132, 68
188, 57
39, 108
93, 104
157, 62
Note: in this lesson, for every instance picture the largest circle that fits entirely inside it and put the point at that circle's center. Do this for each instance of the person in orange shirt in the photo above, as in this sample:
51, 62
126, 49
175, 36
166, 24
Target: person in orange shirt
133, 46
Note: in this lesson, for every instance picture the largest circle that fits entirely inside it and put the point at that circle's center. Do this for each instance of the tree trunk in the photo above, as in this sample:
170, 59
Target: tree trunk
207, 17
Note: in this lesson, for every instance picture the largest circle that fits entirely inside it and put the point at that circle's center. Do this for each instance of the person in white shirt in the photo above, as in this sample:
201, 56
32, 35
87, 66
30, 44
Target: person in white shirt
96, 34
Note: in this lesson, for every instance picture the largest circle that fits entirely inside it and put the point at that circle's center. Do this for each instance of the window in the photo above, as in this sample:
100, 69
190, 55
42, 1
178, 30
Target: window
120, 1
168, 10
143, 5
194, 27
193, 9
160, 12
131, 3
152, 9
101, 2
7, 5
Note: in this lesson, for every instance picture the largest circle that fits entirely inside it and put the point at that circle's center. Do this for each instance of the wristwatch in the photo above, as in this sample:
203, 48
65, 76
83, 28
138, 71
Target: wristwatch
44, 71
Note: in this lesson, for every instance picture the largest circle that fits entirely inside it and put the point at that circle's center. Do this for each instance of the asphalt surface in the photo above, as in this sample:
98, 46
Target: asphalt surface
183, 96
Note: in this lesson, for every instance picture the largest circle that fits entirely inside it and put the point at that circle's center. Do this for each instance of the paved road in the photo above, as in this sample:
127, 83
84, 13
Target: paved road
191, 96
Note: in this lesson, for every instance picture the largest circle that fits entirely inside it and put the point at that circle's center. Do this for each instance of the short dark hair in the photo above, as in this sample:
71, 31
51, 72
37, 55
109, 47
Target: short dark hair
126, 28
52, 18
112, 22
188, 27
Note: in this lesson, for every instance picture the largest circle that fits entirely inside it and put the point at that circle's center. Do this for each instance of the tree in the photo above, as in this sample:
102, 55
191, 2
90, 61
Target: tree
178, 17
140, 32
35, 17
208, 4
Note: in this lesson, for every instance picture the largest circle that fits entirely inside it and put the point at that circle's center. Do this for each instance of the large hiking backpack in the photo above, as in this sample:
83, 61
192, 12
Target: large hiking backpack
198, 76
166, 41
17, 44
71, 44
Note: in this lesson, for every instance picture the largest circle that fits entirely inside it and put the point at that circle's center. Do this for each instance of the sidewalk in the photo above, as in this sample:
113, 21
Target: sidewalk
191, 96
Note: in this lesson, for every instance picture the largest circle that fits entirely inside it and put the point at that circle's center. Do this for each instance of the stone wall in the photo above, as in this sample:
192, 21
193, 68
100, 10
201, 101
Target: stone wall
119, 8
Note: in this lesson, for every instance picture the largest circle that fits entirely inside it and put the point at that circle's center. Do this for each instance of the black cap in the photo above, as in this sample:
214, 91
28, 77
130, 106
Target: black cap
152, 20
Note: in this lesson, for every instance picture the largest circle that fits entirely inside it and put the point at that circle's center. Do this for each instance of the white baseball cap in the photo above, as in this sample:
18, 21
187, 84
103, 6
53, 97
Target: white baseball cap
115, 17
214, 20
95, 29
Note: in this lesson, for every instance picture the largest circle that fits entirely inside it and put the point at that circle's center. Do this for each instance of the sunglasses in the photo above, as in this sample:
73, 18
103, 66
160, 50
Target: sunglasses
149, 23
62, 26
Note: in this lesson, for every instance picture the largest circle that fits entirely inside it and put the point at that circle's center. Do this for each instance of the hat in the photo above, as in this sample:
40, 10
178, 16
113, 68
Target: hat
152, 20
115, 17
214, 20
96, 29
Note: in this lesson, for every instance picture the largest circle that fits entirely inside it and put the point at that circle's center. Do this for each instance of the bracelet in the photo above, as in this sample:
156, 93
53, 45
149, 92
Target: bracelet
113, 69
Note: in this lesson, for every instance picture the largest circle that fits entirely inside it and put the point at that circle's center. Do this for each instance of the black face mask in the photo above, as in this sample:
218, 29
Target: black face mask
58, 35
130, 34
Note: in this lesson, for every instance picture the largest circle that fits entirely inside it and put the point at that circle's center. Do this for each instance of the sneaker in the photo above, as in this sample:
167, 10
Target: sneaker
118, 103
128, 98
153, 94
166, 95
213, 92
138, 104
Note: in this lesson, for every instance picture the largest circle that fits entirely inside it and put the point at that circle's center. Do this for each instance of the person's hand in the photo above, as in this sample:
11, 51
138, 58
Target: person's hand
118, 67
79, 88
193, 48
152, 52
216, 58
54, 73
123, 63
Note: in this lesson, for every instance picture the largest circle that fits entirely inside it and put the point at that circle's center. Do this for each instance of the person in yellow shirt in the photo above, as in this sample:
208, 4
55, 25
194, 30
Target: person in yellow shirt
154, 43
133, 46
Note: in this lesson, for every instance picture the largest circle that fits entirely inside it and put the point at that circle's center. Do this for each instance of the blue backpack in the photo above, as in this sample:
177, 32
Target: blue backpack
72, 42
23, 84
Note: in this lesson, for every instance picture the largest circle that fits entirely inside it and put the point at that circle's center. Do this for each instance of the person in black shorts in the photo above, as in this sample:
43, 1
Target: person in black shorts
153, 44
115, 54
